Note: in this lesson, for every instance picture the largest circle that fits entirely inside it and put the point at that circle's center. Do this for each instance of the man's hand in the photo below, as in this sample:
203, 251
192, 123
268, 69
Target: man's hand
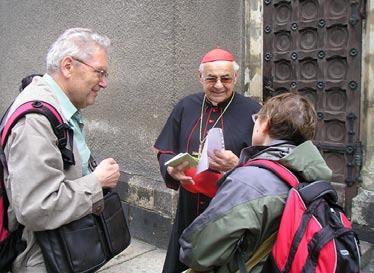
108, 173
178, 174
222, 160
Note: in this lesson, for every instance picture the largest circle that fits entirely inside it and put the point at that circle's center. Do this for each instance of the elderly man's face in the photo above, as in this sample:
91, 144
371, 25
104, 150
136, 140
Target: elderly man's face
87, 80
218, 80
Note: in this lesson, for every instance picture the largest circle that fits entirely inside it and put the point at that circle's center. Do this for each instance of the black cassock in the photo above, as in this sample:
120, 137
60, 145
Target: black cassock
181, 133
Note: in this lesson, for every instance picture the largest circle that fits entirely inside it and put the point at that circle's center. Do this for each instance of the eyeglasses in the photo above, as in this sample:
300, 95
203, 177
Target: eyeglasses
255, 117
213, 80
102, 73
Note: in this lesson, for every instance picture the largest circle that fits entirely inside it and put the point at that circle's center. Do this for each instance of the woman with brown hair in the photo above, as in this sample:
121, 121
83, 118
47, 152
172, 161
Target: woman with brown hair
250, 201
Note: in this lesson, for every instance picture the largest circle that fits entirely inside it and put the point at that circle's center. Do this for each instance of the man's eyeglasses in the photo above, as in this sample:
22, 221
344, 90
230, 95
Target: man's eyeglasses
213, 80
255, 117
102, 73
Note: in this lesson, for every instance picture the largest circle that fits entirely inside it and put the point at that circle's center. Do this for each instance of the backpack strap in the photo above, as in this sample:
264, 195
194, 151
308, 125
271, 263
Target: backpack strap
312, 191
62, 131
308, 191
278, 169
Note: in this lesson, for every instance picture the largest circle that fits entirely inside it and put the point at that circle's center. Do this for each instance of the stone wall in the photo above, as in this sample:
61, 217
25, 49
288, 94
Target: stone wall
253, 49
363, 203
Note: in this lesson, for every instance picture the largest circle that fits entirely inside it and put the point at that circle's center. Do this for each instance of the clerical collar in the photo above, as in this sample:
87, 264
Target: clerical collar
221, 104
201, 135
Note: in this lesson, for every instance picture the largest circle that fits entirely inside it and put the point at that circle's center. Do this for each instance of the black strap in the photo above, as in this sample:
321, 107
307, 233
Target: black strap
2, 162
92, 163
3, 194
67, 152
299, 234
318, 189
319, 240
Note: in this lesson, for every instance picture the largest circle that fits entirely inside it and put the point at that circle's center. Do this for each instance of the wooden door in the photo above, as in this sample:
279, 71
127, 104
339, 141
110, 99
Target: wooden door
314, 47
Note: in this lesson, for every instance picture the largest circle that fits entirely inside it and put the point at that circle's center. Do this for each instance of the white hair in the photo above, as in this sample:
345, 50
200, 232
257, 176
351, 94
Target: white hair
77, 42
236, 67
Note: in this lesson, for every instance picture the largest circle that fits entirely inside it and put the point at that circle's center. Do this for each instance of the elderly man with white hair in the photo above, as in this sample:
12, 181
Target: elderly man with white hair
185, 131
42, 194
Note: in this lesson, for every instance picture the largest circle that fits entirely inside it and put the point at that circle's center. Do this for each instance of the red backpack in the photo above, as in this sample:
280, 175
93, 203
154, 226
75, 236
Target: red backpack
314, 235
10, 242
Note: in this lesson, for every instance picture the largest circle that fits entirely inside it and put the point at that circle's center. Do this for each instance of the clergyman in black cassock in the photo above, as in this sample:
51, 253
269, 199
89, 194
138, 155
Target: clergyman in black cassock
186, 129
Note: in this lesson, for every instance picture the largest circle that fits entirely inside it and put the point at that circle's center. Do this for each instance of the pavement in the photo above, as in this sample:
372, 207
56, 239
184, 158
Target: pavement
141, 257
369, 268
367, 258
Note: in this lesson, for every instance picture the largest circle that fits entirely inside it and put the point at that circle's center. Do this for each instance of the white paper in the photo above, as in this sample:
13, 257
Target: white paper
214, 141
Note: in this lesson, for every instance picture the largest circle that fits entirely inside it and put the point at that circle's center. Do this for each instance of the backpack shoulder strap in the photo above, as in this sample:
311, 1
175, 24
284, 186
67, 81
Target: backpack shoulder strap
60, 129
318, 189
308, 191
278, 169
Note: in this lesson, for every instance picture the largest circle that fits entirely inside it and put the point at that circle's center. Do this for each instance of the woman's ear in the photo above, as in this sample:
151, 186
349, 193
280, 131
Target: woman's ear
261, 132
265, 129
263, 125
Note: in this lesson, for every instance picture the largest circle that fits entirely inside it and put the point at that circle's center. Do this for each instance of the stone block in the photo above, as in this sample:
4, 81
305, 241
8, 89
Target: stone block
363, 215
165, 201
148, 225
149, 207
148, 194
363, 208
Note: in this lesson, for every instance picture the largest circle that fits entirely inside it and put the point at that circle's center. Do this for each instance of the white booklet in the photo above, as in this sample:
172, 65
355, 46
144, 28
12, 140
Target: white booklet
214, 141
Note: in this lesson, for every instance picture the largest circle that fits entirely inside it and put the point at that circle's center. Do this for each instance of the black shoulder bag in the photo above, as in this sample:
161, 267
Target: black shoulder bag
85, 245
88, 243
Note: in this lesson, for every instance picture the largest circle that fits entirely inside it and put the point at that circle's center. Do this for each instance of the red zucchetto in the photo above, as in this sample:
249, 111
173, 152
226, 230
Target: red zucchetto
217, 54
